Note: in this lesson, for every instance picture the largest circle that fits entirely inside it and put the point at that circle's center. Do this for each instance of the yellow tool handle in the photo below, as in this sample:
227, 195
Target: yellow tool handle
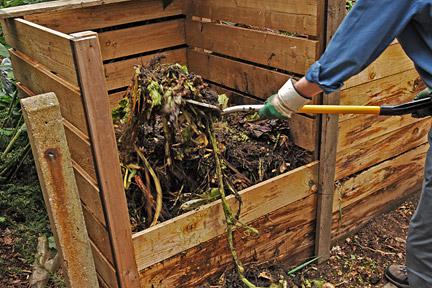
340, 109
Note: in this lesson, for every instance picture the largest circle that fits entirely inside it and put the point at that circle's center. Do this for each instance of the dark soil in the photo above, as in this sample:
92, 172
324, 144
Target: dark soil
357, 261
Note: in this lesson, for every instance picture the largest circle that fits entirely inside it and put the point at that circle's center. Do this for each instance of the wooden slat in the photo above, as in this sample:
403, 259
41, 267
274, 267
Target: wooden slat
140, 39
102, 16
363, 128
48, 47
52, 6
284, 233
119, 74
98, 234
376, 150
335, 12
288, 53
372, 192
89, 193
242, 77
80, 149
104, 269
294, 16
393, 60
299, 125
406, 167
92, 79
395, 89
163, 241
40, 80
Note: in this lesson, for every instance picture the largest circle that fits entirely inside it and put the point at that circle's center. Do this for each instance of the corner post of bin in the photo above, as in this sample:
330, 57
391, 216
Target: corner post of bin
334, 13
91, 78
54, 166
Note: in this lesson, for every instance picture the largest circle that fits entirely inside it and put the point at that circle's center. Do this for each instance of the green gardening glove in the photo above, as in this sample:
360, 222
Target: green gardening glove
426, 111
269, 111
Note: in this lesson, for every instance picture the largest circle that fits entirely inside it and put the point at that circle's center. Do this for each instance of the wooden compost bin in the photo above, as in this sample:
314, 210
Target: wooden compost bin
53, 50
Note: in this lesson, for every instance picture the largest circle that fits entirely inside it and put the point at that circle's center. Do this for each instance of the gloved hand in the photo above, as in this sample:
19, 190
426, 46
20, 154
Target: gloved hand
426, 111
283, 104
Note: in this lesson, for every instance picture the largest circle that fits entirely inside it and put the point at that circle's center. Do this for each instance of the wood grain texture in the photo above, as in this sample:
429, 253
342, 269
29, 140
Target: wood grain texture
293, 16
140, 39
376, 150
54, 167
119, 74
52, 6
288, 53
373, 191
88, 61
103, 16
284, 233
243, 77
104, 269
405, 169
395, 89
329, 135
48, 47
300, 125
392, 61
40, 80
191, 229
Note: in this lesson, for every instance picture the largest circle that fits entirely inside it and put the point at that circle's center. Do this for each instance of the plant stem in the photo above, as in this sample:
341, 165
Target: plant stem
14, 139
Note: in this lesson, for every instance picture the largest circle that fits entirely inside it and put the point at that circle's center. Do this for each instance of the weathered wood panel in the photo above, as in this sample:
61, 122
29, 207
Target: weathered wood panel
288, 53
393, 60
191, 229
140, 39
119, 74
376, 150
243, 77
283, 234
102, 16
48, 47
370, 193
104, 269
293, 16
40, 80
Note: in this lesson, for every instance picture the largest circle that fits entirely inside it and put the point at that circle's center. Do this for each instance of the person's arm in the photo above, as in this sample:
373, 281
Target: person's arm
363, 35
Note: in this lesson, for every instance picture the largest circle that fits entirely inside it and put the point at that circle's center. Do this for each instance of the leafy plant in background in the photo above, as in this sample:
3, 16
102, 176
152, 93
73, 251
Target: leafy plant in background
350, 4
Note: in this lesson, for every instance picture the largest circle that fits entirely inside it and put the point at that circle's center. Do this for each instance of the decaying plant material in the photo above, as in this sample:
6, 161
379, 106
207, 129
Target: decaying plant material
177, 156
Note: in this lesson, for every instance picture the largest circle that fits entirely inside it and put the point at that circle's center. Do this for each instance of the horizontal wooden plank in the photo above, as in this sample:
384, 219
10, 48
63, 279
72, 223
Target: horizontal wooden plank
372, 192
191, 229
102, 16
104, 269
299, 125
52, 6
279, 51
119, 74
81, 151
242, 77
284, 234
363, 128
392, 61
115, 98
89, 193
98, 235
140, 39
395, 89
381, 148
48, 47
293, 16
40, 80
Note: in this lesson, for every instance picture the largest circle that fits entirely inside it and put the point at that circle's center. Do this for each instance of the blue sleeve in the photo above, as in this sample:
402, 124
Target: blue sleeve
363, 35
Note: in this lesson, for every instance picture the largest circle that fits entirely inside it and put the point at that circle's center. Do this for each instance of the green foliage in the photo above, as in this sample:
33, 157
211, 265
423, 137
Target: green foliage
350, 4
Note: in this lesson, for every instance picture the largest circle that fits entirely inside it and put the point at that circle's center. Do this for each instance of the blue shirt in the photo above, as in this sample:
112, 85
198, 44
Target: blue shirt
366, 32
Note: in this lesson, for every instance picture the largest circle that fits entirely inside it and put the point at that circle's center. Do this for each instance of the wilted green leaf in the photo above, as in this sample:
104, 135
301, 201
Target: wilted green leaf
223, 101
3, 51
155, 93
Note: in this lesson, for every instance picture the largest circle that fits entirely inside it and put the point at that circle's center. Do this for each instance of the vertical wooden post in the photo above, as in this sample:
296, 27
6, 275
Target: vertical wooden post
91, 78
53, 162
334, 14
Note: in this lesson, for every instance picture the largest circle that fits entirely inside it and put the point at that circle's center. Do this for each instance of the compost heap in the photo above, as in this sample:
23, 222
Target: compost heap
177, 156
